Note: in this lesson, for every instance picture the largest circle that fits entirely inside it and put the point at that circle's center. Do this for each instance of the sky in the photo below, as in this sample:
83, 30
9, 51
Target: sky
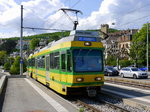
126, 14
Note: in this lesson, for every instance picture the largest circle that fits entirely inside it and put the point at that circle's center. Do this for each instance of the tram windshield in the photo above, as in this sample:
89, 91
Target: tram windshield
87, 60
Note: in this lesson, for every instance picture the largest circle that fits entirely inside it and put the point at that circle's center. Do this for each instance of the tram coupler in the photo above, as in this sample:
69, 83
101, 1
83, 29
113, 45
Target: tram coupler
91, 91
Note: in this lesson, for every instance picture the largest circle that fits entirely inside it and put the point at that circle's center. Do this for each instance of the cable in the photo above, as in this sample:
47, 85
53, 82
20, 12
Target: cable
134, 20
139, 8
76, 3
33, 28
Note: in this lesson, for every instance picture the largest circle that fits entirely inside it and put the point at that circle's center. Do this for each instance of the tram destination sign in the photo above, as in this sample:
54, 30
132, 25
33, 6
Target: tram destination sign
91, 39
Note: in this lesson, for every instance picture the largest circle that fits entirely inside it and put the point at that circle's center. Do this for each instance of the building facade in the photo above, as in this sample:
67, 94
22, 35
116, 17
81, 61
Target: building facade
118, 44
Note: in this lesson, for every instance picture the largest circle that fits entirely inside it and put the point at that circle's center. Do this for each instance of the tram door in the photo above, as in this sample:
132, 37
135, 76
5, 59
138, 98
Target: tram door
47, 68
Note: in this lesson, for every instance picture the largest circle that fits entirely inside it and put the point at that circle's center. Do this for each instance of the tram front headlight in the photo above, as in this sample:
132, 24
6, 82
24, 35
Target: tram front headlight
79, 79
98, 78
87, 43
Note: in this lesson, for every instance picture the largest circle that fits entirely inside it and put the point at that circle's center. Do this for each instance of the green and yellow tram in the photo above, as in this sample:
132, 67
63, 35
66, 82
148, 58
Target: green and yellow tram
71, 65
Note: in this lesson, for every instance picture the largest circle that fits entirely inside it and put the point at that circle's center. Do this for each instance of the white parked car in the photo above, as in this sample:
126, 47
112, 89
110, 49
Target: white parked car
132, 72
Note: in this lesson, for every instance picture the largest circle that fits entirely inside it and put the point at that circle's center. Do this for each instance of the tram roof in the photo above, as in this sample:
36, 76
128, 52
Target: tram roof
79, 35
76, 35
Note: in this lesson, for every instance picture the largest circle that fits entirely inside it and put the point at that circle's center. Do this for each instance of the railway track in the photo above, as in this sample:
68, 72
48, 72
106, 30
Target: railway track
114, 106
133, 84
88, 107
99, 106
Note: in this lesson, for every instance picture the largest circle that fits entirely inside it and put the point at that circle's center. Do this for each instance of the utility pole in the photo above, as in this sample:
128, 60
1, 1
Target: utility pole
147, 46
21, 35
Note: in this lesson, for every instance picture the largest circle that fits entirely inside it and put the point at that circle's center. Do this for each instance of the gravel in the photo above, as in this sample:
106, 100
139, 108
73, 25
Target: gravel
104, 107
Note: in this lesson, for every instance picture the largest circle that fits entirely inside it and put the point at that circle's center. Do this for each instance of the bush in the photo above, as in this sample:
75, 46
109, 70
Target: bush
15, 68
7, 66
111, 61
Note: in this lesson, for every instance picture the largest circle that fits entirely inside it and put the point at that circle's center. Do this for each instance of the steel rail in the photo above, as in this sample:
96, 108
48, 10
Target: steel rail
114, 106
88, 106
93, 109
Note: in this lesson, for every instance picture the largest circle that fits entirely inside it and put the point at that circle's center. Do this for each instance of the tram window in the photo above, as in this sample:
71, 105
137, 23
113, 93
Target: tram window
52, 60
56, 60
33, 62
36, 62
47, 62
63, 59
69, 64
42, 62
89, 60
29, 62
39, 62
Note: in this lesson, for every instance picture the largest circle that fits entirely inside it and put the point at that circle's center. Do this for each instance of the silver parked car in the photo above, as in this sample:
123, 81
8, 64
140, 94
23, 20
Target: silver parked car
132, 72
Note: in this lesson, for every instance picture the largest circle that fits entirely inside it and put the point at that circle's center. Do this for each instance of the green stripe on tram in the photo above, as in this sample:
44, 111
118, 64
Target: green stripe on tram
71, 84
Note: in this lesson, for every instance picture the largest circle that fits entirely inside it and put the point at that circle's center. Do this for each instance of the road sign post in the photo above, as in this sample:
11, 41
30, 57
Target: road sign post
21, 35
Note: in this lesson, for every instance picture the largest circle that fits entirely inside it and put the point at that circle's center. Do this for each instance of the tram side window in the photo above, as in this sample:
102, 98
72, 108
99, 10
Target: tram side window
33, 62
63, 59
38, 63
47, 62
54, 60
29, 62
41, 62
69, 60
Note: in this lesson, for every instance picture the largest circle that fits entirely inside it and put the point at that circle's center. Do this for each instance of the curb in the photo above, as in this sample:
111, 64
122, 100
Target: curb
2, 83
16, 76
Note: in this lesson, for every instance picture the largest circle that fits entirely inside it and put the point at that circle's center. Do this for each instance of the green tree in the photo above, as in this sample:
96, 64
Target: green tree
125, 63
15, 68
34, 43
7, 66
111, 60
3, 57
8, 46
8, 63
138, 47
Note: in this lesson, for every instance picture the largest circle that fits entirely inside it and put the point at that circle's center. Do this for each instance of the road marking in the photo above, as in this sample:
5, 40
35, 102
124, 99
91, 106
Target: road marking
50, 100
126, 87
127, 95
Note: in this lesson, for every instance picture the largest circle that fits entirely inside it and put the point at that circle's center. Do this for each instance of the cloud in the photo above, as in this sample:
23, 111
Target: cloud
35, 13
45, 14
124, 13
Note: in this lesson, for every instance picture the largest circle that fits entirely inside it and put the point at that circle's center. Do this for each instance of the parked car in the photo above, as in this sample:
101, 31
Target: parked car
143, 68
110, 71
132, 72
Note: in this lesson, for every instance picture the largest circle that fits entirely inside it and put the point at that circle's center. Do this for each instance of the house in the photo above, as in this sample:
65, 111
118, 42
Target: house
118, 43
